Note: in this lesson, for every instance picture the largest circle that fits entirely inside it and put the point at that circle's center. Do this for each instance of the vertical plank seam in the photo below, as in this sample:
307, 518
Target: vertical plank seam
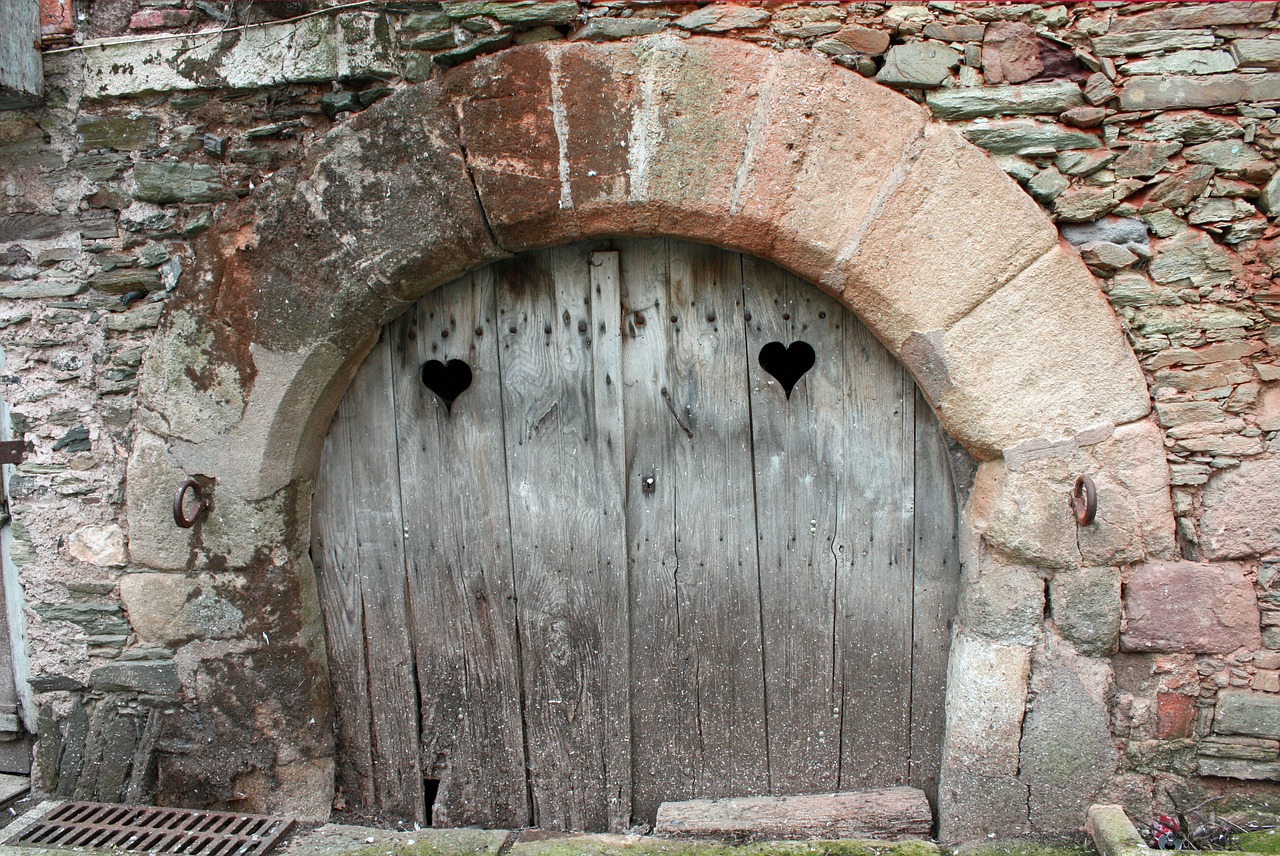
506, 475
909, 397
755, 533
422, 809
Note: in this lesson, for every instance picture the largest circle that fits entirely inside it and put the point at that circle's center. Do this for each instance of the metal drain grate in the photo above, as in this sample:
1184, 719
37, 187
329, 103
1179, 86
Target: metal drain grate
155, 830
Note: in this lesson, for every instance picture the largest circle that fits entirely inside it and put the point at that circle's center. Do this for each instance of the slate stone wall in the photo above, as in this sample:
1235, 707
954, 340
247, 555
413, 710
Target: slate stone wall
1148, 133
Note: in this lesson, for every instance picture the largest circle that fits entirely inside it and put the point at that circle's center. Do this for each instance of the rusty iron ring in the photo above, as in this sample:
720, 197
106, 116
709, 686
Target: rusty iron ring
1084, 501
179, 500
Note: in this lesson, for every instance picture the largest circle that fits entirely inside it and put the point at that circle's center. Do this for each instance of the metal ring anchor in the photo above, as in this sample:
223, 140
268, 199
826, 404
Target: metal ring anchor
1084, 501
180, 500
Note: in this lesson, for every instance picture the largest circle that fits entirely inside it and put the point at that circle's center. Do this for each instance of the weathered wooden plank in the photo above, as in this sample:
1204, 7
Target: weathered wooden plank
664, 745
874, 582
714, 510
379, 527
21, 65
802, 446
937, 581
885, 813
333, 551
458, 559
610, 441
566, 531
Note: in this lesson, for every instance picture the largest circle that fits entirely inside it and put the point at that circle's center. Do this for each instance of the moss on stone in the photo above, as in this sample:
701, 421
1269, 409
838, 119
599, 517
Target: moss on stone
1023, 847
589, 845
1262, 841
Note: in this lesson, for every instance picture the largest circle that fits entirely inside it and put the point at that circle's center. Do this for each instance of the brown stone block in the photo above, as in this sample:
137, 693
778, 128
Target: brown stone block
1189, 607
507, 126
944, 240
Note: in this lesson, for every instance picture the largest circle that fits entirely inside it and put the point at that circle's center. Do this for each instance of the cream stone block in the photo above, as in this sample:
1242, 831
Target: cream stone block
986, 699
1042, 358
1023, 511
153, 479
954, 229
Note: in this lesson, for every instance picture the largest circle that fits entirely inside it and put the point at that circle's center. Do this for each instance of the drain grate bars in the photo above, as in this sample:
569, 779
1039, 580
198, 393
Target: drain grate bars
155, 830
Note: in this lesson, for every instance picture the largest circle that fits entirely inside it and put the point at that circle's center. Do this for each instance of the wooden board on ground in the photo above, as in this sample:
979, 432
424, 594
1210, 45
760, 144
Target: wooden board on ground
887, 813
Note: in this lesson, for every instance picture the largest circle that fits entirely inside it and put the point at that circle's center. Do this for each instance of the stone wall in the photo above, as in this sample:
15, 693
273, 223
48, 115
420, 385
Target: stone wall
1147, 132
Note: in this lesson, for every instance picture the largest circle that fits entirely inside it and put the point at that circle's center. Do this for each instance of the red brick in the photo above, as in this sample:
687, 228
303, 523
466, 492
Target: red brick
1175, 715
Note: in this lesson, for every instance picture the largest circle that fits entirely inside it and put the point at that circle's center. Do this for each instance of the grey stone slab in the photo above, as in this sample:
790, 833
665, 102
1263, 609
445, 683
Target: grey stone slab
1026, 100
1151, 41
1214, 90
1257, 53
1027, 137
175, 181
918, 65
1231, 768
335, 839
319, 49
1184, 62
154, 677
1247, 713
610, 29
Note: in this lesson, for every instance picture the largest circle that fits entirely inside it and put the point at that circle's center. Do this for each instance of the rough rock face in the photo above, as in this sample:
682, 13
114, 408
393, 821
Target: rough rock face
1189, 607
159, 209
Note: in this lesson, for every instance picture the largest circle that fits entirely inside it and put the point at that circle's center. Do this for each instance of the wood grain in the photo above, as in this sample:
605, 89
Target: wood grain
459, 579
626, 569
889, 813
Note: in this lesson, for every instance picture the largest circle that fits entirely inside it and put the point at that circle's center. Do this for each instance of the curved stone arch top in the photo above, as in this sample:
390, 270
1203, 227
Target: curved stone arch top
777, 154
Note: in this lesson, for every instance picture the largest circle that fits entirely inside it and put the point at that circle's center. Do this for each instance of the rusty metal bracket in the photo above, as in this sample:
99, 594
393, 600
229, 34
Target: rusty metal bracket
1084, 501
180, 516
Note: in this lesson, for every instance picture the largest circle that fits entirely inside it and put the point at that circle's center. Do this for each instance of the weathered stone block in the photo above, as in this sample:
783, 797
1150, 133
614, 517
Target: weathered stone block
1189, 606
1150, 41
317, 49
717, 18
896, 282
986, 698
1247, 713
97, 619
1025, 516
98, 545
172, 609
1027, 137
1193, 17
151, 677
1242, 510
1086, 608
1234, 158
921, 65
1158, 93
1067, 753
122, 133
1236, 769
164, 182
1068, 368
524, 13
1193, 256
1001, 601
1026, 100
1184, 62
1257, 53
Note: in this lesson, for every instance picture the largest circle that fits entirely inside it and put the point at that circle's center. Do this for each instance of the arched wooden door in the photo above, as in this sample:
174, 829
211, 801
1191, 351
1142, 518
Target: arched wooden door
673, 525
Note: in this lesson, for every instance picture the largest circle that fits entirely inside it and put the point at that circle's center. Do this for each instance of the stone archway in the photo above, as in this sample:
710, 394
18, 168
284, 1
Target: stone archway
779, 155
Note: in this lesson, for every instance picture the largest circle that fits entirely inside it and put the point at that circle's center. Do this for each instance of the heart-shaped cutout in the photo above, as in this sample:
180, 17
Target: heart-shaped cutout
447, 380
787, 363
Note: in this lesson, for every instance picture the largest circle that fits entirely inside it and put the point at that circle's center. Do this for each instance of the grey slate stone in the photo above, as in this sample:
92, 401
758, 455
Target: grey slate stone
1257, 53
1231, 768
1025, 137
95, 618
1025, 100
521, 13
1116, 230
1191, 127
611, 29
715, 18
1151, 41
149, 677
117, 132
166, 182
1247, 713
1184, 62
1270, 198
918, 65
1234, 158
1213, 90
